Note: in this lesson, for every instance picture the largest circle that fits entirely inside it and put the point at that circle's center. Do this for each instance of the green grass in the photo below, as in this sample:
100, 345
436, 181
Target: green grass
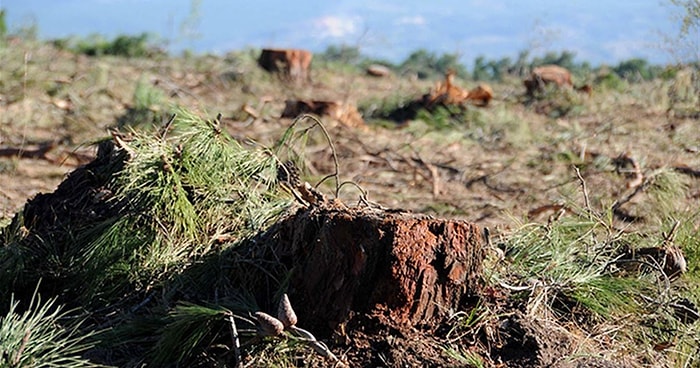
147, 110
464, 357
187, 330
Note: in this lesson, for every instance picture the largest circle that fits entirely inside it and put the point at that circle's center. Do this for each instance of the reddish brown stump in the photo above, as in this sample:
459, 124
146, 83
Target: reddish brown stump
406, 270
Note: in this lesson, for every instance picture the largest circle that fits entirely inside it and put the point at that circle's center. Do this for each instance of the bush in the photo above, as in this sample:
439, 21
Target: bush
3, 24
123, 45
636, 70
341, 54
147, 109
428, 65
611, 81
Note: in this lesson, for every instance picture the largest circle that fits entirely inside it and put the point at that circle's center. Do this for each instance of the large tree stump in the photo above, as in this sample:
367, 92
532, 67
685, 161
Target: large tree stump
405, 269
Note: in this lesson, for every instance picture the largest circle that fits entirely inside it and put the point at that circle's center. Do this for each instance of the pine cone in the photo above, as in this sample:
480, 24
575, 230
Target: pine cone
285, 313
675, 264
269, 325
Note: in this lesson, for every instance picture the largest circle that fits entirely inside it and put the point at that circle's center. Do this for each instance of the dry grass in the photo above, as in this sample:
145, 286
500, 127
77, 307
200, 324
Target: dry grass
523, 157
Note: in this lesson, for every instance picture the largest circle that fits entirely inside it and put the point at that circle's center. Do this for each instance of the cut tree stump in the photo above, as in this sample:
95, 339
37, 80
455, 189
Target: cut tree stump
378, 70
355, 276
403, 269
291, 64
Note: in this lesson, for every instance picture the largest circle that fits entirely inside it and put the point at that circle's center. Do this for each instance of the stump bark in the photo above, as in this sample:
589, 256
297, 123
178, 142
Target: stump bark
404, 269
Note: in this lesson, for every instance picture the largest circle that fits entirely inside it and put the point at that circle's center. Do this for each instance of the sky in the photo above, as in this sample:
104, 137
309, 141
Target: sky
598, 31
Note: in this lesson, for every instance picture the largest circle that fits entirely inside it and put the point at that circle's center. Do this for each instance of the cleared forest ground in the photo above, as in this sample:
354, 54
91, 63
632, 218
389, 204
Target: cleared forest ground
616, 167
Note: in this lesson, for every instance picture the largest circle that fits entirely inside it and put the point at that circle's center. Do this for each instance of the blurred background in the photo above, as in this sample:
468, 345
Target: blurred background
599, 32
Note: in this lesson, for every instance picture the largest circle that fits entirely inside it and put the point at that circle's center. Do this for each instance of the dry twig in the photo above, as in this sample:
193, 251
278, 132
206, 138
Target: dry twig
236, 342
39, 152
586, 201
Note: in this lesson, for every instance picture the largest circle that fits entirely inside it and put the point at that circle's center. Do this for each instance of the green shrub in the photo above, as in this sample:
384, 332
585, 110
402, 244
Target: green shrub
123, 45
443, 117
610, 81
425, 65
556, 102
3, 24
637, 70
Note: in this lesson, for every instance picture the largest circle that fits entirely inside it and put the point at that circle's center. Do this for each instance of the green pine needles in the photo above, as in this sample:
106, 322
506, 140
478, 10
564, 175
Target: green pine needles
184, 190
582, 267
39, 335
172, 199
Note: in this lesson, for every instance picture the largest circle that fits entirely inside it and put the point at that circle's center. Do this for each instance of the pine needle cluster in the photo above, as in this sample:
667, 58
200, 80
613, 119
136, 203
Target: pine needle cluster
39, 335
177, 196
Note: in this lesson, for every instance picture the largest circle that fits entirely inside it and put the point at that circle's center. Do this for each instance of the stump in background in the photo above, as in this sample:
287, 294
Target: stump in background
378, 70
292, 64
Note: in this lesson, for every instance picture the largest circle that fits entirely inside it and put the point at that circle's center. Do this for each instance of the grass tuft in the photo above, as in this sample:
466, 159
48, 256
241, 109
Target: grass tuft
575, 268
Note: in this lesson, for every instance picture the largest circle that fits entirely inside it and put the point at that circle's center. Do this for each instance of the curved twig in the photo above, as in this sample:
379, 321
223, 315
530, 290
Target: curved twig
333, 152
336, 165
363, 192
310, 339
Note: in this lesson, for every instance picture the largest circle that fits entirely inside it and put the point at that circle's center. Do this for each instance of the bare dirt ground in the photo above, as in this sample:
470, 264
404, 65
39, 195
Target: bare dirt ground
508, 162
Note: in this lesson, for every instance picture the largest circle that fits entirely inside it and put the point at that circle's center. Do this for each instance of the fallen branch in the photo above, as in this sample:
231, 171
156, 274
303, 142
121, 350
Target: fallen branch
638, 176
436, 179
39, 152
547, 207
494, 187
416, 169
434, 173
687, 171
236, 342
